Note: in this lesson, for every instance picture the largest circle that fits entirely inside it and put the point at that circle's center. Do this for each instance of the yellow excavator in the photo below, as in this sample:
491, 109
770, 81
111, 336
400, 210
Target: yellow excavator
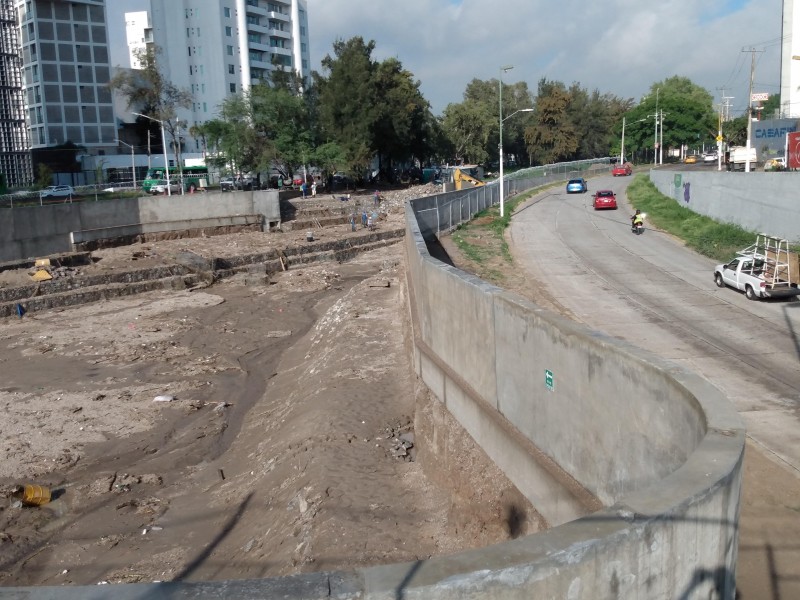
464, 180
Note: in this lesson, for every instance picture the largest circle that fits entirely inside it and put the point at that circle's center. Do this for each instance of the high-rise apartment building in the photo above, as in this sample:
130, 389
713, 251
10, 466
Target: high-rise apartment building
15, 157
139, 35
66, 72
215, 48
790, 60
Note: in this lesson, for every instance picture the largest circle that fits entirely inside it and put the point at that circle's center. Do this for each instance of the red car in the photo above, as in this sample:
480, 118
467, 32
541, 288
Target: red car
604, 199
621, 170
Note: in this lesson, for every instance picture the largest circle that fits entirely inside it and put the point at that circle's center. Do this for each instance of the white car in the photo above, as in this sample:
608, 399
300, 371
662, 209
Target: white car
57, 191
160, 187
710, 157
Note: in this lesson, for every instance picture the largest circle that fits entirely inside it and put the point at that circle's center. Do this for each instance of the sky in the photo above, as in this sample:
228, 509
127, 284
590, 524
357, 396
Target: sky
618, 47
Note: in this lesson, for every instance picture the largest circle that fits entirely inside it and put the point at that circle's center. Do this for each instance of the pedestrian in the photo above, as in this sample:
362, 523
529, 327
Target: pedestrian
352, 221
303, 188
364, 218
314, 189
377, 198
280, 182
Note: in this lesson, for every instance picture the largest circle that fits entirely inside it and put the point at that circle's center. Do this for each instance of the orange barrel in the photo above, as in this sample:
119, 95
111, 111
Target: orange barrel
35, 495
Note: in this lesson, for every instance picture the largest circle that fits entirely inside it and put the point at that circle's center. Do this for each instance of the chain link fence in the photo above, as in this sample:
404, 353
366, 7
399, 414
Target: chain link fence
445, 211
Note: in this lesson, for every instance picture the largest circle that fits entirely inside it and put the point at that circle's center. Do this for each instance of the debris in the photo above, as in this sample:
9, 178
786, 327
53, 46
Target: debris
222, 474
41, 275
164, 398
32, 495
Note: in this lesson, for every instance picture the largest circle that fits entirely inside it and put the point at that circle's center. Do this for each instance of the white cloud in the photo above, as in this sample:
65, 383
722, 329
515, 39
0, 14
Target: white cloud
616, 46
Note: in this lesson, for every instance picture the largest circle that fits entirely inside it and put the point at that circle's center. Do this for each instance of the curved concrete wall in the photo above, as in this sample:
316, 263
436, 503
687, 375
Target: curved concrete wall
656, 445
636, 460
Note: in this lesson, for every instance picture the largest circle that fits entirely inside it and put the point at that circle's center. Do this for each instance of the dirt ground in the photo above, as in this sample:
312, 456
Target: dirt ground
235, 431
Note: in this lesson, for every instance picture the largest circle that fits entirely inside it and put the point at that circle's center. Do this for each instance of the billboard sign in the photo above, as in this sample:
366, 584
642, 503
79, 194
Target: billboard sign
759, 97
793, 150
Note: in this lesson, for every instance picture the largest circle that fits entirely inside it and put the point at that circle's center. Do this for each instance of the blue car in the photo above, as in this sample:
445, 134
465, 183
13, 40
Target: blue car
577, 186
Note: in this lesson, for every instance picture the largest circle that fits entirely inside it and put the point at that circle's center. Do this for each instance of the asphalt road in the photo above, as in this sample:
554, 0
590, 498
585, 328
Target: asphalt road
656, 294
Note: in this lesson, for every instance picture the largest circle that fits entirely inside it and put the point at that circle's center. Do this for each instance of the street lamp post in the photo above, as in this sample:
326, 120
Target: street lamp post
133, 162
501, 154
163, 146
505, 69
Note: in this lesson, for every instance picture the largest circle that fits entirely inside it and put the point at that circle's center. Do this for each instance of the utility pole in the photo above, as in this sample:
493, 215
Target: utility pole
655, 141
750, 106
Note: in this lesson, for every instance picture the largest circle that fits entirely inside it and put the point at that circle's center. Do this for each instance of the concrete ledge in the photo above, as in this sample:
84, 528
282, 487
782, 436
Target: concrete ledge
88, 239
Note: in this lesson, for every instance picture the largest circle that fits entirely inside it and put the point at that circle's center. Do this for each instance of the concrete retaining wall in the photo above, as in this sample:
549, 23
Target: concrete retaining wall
757, 201
42, 230
656, 445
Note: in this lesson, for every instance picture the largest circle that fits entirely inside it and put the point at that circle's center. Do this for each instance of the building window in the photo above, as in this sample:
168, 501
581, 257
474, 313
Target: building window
227, 12
205, 108
231, 69
187, 32
228, 31
233, 88
190, 50
229, 50
252, 20
190, 69
303, 47
302, 31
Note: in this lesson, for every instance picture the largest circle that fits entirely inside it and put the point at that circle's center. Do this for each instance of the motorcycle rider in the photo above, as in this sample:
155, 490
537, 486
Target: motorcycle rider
637, 219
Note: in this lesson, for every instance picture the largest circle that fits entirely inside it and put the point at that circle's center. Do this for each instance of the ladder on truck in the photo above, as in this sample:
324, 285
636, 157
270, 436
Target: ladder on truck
780, 264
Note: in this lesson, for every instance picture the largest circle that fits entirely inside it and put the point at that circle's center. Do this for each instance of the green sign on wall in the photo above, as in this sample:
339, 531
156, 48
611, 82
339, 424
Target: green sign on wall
548, 380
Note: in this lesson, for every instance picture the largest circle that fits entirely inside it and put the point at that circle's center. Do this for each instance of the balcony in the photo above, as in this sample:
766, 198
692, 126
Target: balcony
277, 33
261, 47
281, 51
280, 16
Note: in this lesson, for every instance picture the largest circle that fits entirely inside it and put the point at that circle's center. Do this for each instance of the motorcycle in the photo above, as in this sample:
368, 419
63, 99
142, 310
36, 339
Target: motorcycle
637, 228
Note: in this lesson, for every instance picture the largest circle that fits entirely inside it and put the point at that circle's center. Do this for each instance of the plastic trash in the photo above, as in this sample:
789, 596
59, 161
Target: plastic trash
33, 495
164, 398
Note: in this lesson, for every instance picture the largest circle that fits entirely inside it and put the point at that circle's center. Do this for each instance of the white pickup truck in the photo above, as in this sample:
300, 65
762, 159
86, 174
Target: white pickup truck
755, 277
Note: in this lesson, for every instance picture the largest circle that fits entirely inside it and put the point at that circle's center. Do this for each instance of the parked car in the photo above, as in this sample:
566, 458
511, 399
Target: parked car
622, 170
577, 186
227, 184
777, 163
710, 157
604, 199
160, 187
691, 159
57, 191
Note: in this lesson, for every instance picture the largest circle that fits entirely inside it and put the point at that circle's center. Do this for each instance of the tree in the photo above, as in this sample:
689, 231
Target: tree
468, 126
552, 137
281, 118
347, 101
772, 107
44, 176
401, 128
153, 93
